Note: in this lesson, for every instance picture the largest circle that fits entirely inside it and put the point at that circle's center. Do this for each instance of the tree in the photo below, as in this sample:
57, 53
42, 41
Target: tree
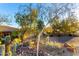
40, 25
55, 10
67, 26
56, 25
4, 20
48, 13
29, 21
70, 25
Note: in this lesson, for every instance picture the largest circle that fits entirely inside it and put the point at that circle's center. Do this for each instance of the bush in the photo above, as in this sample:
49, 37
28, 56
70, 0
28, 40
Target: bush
68, 26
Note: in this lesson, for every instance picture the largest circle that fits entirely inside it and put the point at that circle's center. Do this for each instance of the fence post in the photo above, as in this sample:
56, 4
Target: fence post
2, 50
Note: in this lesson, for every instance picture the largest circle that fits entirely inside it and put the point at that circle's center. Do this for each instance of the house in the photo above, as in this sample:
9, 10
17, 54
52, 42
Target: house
5, 30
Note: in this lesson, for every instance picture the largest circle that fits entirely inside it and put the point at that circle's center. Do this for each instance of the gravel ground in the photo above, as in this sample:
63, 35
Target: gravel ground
45, 51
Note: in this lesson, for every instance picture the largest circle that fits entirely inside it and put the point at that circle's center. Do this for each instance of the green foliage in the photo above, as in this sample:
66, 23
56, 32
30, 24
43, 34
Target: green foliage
67, 26
15, 33
4, 19
29, 21
25, 20
56, 25
40, 24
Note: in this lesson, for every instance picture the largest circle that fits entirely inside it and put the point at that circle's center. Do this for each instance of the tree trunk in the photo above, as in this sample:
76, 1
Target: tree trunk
38, 40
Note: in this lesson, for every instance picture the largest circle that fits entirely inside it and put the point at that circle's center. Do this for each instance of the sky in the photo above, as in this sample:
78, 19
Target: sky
10, 9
